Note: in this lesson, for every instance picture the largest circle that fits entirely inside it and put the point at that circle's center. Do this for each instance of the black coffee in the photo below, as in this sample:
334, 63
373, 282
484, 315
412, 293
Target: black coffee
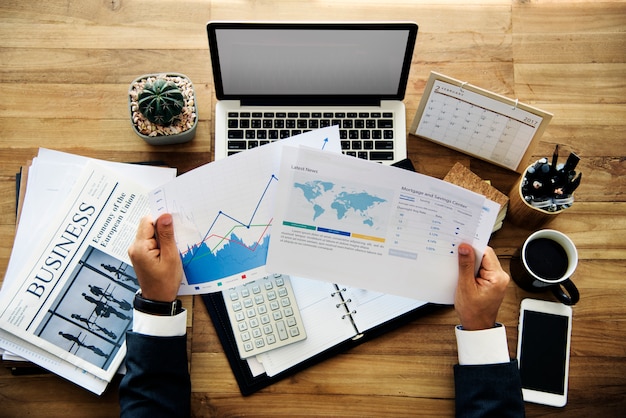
546, 258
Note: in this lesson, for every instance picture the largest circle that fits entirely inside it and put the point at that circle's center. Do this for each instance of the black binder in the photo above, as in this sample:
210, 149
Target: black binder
248, 384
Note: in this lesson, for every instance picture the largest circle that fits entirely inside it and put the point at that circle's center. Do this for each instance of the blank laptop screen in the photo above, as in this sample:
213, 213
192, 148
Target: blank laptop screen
294, 61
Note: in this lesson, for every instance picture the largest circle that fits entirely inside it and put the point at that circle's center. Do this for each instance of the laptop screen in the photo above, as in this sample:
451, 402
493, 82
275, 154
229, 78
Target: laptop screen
330, 62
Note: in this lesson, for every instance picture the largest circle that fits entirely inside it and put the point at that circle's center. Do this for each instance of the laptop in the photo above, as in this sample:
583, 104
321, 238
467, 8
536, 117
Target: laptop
274, 80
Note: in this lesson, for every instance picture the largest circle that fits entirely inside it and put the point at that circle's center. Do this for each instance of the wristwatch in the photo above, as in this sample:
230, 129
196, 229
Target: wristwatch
154, 307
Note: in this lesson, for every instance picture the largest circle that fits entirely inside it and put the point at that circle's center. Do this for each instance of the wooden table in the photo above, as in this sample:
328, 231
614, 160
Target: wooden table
65, 68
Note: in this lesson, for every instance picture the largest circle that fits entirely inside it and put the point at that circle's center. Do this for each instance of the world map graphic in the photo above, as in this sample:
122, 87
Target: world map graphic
344, 202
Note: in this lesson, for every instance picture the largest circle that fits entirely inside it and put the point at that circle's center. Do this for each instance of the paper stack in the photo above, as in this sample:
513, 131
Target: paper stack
66, 298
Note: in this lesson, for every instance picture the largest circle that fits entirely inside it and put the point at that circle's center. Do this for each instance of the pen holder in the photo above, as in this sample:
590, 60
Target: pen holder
531, 216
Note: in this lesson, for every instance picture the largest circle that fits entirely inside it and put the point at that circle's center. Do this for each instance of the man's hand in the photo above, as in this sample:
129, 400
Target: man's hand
478, 299
156, 260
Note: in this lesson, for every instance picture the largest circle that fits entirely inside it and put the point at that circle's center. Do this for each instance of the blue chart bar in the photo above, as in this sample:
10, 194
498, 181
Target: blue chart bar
333, 231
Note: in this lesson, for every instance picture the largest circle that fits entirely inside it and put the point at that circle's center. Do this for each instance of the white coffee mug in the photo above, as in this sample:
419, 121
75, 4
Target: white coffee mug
546, 261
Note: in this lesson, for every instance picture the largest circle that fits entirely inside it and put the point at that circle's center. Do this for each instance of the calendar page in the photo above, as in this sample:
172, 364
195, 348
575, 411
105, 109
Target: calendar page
477, 122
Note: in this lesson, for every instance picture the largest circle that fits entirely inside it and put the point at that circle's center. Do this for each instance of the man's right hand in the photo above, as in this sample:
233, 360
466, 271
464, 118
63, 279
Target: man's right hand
478, 299
156, 259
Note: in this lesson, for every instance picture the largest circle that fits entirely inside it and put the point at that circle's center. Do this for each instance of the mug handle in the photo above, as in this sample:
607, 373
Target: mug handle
574, 295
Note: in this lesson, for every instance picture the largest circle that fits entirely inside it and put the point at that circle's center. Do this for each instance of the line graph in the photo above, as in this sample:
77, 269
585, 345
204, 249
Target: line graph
225, 238
223, 213
238, 223
230, 245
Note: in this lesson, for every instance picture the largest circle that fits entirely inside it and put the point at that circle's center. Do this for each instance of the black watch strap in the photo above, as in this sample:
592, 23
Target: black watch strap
154, 307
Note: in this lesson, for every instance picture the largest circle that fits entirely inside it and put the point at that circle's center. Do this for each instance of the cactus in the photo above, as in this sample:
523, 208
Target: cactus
161, 101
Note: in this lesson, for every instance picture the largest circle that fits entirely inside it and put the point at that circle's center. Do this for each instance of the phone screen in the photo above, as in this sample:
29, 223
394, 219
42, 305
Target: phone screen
544, 352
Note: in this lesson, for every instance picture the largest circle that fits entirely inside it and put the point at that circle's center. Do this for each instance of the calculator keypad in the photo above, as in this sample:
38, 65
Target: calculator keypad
264, 315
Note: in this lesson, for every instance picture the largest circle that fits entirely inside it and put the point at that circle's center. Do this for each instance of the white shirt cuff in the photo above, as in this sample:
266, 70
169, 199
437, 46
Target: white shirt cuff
487, 346
160, 326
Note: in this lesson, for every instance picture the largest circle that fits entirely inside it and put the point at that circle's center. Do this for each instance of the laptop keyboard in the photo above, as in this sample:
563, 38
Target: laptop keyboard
366, 135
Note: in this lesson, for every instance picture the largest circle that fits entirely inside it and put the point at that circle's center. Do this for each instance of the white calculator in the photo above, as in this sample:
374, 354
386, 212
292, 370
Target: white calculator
264, 315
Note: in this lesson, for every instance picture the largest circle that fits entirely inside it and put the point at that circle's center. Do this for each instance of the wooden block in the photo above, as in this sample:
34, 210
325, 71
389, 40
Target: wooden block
464, 177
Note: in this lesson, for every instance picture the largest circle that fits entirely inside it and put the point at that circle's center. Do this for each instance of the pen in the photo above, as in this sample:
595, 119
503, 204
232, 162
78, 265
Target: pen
555, 158
571, 163
571, 186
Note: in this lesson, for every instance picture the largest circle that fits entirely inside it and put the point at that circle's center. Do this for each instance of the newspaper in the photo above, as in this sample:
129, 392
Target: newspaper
73, 297
50, 179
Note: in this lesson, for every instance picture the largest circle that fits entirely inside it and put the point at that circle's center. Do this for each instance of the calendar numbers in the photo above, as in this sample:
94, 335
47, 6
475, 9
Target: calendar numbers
531, 121
476, 124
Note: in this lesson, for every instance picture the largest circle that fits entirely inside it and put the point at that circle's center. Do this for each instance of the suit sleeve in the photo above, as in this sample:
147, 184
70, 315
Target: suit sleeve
492, 390
157, 382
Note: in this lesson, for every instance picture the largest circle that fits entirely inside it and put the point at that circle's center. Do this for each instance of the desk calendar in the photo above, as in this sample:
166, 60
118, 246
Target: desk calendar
479, 122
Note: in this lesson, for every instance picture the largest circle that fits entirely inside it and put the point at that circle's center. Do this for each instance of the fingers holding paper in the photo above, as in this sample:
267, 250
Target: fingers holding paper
478, 297
156, 260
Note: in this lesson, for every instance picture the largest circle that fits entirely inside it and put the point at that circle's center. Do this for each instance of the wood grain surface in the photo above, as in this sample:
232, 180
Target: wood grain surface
65, 68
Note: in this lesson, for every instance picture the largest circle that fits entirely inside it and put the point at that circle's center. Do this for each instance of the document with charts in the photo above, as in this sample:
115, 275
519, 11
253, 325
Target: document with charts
375, 227
223, 212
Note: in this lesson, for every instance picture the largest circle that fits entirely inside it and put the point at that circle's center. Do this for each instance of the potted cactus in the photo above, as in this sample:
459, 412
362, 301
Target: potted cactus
163, 108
